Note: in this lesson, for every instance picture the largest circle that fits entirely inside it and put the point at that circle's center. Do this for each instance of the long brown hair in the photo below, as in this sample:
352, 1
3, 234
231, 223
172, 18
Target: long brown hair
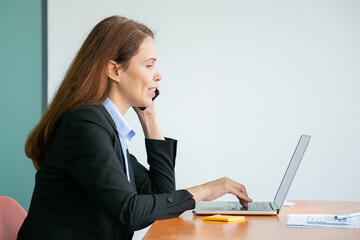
86, 82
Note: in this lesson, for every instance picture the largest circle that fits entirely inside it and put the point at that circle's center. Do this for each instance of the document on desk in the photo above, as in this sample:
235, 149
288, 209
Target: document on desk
321, 220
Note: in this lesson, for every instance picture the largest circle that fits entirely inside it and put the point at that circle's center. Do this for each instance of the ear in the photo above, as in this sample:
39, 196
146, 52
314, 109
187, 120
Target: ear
113, 71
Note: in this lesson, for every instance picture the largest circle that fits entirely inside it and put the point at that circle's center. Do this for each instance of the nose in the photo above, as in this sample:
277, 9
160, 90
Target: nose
157, 77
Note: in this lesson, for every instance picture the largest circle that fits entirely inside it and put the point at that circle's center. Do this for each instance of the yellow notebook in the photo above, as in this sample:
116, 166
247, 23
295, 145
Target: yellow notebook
224, 218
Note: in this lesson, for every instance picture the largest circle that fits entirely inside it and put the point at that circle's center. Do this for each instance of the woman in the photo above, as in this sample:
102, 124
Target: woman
88, 186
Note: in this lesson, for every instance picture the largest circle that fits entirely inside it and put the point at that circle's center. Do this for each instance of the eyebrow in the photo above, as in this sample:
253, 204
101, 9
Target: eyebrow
153, 59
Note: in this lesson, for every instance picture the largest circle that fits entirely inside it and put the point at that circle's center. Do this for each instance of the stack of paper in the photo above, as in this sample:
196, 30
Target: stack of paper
224, 218
321, 220
288, 204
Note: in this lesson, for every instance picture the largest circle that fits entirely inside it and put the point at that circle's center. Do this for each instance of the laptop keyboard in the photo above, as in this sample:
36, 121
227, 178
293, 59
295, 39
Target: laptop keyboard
253, 206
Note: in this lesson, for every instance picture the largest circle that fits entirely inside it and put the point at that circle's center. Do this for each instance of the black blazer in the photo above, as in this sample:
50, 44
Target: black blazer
82, 192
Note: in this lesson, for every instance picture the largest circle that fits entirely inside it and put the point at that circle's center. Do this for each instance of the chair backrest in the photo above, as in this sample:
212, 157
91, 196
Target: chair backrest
12, 216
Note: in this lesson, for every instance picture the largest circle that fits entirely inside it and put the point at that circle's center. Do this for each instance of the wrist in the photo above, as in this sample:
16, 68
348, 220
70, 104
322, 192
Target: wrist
197, 192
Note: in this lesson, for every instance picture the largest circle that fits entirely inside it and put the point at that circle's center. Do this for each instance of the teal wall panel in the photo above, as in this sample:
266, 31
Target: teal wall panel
20, 93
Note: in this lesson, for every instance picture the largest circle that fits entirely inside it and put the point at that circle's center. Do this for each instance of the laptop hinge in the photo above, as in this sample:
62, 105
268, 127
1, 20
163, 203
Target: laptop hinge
274, 207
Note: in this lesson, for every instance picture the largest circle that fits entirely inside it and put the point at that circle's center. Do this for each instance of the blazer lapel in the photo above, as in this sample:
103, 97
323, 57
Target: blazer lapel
108, 117
118, 148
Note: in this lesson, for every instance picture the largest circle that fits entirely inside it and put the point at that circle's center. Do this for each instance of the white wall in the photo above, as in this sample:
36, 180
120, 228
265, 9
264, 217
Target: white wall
241, 81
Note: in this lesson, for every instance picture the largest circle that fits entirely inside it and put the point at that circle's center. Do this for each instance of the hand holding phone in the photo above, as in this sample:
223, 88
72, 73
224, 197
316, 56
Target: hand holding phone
157, 92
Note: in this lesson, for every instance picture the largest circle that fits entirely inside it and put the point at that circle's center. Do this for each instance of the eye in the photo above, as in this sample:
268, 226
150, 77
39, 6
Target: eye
149, 66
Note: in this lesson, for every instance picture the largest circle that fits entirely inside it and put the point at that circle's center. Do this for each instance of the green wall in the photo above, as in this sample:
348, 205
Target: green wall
20, 93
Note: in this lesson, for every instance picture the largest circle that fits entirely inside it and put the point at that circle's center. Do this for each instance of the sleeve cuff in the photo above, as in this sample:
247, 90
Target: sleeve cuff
167, 147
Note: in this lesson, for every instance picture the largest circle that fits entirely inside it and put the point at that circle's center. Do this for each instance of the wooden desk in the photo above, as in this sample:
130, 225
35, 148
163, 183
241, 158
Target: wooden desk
188, 226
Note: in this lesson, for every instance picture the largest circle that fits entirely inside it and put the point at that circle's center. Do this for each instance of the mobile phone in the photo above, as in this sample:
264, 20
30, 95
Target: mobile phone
157, 92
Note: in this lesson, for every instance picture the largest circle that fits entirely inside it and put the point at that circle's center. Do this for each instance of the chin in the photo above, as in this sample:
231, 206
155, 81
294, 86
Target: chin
145, 103
148, 102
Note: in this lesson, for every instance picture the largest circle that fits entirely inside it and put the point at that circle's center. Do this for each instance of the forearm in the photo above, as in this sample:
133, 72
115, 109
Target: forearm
209, 191
145, 209
151, 127
217, 188
160, 178
161, 159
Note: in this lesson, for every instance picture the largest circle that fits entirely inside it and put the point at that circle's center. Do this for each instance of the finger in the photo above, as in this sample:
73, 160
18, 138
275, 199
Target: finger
238, 192
244, 200
245, 194
139, 112
244, 197
136, 109
244, 203
241, 190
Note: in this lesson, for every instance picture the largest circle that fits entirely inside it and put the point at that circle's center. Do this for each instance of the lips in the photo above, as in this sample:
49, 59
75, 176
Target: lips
153, 89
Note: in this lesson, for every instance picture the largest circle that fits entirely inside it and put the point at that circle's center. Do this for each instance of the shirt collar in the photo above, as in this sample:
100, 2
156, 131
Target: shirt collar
123, 128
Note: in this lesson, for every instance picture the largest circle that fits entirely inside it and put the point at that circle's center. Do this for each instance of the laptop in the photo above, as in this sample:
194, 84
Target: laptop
259, 208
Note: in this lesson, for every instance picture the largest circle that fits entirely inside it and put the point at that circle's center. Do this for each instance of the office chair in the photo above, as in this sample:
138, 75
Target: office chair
12, 216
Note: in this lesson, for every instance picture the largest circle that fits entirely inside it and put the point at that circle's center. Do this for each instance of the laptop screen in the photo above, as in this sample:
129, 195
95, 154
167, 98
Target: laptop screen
291, 170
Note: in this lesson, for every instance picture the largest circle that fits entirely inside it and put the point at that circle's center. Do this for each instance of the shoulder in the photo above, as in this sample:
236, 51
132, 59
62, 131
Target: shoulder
88, 115
84, 112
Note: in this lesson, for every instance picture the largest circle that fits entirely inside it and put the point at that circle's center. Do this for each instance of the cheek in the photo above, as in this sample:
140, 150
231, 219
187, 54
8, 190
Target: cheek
145, 79
139, 80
